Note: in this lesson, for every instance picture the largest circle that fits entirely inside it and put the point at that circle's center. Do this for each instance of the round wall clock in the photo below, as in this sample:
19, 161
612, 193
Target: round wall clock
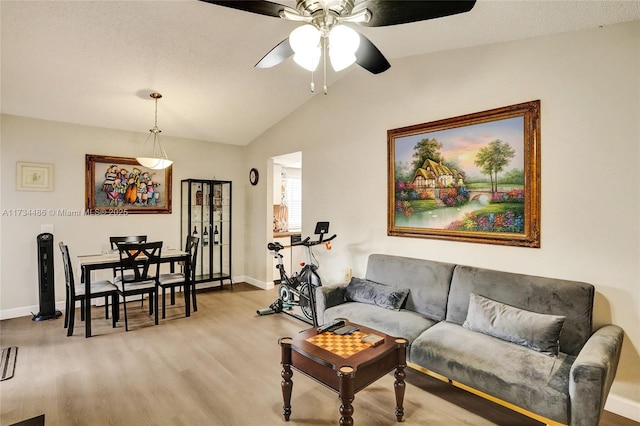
253, 176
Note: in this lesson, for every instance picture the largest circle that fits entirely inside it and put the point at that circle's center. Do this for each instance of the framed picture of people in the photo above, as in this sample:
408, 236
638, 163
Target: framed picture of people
119, 184
472, 178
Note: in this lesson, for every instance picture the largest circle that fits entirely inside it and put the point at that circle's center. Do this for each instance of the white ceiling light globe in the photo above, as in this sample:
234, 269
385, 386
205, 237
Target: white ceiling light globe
305, 42
343, 44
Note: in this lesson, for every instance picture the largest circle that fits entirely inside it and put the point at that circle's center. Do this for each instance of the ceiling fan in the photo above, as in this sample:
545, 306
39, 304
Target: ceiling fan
323, 33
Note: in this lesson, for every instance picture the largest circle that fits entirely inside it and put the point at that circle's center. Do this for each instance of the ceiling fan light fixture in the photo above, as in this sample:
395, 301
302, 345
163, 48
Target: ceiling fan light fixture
293, 16
304, 37
308, 60
344, 37
341, 59
343, 44
328, 15
305, 42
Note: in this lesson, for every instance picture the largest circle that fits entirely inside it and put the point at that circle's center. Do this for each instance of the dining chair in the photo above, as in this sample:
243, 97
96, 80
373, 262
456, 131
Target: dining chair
126, 239
142, 263
179, 279
104, 289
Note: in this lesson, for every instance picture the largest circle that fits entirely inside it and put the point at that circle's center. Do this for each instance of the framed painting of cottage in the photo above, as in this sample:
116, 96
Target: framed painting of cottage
120, 185
473, 178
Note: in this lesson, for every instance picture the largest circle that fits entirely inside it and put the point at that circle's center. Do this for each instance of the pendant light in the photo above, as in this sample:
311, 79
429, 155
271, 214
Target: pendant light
154, 157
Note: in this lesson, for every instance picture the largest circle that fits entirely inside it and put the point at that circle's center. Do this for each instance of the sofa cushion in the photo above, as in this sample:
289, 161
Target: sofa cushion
428, 281
401, 323
366, 291
572, 299
536, 331
510, 372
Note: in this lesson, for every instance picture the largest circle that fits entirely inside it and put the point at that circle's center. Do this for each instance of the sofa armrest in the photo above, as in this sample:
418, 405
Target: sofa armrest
592, 374
328, 296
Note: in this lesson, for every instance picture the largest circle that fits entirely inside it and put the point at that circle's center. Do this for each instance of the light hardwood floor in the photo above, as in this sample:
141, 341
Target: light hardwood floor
221, 366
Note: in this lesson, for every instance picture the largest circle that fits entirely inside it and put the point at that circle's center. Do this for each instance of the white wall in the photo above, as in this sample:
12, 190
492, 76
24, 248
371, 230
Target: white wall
65, 145
589, 86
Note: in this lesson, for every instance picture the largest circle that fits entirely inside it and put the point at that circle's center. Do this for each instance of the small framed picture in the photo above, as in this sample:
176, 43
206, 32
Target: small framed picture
34, 176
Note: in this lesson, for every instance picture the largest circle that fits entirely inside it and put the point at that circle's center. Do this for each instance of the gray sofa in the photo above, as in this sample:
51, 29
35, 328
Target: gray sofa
462, 322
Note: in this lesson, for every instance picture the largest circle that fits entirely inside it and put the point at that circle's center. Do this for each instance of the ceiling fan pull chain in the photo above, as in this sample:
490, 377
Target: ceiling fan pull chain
313, 85
324, 63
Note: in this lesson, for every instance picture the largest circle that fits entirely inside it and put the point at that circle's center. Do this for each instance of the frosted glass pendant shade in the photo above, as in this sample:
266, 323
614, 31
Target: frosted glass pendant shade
305, 42
154, 163
343, 44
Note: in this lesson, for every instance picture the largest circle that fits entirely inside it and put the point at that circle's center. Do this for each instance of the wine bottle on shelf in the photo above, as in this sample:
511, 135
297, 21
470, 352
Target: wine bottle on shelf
195, 231
205, 236
216, 235
199, 196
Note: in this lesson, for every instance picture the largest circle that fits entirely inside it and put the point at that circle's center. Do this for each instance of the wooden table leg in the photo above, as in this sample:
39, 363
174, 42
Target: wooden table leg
346, 375
87, 303
400, 375
287, 373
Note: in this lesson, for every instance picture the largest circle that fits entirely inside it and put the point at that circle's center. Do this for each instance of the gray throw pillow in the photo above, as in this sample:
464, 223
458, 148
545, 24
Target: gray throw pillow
539, 332
365, 291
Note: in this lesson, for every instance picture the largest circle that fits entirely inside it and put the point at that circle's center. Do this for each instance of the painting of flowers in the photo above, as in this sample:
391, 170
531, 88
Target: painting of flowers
474, 178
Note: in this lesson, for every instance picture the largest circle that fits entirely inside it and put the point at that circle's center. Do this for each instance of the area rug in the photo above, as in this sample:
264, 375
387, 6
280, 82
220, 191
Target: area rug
8, 363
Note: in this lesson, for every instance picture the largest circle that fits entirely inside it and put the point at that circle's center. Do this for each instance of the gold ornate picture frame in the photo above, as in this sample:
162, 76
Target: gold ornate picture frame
122, 184
472, 178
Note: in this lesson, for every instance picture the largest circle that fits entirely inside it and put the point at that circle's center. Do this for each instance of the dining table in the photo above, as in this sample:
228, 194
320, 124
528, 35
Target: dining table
94, 262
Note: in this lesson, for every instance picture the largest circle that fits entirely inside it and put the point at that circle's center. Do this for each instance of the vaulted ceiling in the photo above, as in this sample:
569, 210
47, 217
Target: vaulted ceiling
96, 62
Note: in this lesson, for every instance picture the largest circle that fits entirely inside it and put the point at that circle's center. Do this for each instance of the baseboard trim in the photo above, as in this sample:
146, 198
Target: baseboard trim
622, 406
26, 311
257, 283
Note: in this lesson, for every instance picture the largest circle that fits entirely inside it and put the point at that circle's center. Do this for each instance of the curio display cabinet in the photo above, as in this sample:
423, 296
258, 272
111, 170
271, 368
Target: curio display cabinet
206, 214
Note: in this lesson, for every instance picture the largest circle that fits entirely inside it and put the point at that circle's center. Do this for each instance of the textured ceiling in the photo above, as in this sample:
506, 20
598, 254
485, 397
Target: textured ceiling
96, 62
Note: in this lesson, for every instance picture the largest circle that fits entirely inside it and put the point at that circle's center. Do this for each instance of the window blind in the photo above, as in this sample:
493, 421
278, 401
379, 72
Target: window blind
294, 202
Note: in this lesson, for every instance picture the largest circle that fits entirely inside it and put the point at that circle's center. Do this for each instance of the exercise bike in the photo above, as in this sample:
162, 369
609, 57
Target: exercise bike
299, 289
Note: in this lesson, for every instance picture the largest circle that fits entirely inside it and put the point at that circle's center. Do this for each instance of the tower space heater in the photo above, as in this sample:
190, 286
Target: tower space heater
46, 279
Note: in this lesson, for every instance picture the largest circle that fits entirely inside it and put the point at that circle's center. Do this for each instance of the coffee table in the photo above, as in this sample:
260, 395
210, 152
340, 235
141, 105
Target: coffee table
343, 364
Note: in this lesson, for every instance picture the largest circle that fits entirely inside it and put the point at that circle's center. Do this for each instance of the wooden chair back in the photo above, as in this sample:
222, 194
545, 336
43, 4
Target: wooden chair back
126, 239
143, 259
68, 268
191, 247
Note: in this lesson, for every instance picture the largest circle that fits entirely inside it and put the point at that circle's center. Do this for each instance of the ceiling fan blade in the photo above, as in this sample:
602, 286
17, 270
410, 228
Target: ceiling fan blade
370, 58
276, 55
260, 7
392, 12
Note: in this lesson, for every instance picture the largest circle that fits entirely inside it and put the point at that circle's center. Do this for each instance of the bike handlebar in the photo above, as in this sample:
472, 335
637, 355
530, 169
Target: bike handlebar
307, 243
